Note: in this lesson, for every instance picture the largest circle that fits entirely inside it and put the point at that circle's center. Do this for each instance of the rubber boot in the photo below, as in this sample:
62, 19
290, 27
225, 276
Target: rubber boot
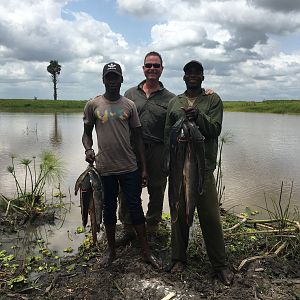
110, 254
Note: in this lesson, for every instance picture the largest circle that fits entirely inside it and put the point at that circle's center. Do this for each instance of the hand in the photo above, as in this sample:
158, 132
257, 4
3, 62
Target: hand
191, 113
90, 156
144, 179
209, 91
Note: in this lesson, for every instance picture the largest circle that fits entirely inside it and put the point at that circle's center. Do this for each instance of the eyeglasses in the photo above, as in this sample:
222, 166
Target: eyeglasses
149, 66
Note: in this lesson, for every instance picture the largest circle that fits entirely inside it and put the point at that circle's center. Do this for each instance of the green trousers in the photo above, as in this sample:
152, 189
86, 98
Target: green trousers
209, 218
157, 181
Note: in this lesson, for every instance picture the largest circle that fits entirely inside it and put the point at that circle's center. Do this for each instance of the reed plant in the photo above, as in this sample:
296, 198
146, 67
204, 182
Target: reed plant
278, 211
225, 138
31, 184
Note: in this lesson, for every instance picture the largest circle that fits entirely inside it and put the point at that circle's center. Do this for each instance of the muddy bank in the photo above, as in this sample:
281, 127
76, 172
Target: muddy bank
82, 277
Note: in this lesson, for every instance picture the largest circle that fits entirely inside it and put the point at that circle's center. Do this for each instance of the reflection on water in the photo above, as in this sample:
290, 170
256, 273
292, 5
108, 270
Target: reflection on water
263, 152
55, 137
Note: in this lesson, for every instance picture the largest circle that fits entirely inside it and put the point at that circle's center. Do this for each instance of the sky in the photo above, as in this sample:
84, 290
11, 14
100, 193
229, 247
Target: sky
250, 49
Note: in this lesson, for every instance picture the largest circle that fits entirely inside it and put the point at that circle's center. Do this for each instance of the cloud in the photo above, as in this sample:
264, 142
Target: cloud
147, 9
277, 5
240, 43
35, 31
180, 34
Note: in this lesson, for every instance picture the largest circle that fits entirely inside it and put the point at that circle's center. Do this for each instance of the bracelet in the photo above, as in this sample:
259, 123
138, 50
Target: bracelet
88, 150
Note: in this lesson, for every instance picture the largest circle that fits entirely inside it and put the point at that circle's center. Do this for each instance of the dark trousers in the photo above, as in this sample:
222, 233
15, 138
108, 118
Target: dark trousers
209, 218
157, 181
130, 183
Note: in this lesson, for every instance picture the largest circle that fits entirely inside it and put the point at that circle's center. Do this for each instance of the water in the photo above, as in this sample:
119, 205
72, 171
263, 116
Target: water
263, 152
27, 135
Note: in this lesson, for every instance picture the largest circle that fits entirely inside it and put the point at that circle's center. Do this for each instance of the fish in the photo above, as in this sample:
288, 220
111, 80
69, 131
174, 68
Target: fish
186, 167
91, 198
98, 194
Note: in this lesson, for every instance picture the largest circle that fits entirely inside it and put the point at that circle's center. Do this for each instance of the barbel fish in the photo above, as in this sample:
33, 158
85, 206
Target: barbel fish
91, 198
187, 167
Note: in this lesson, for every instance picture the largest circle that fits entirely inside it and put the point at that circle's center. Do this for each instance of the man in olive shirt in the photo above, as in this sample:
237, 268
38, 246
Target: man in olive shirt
207, 113
151, 99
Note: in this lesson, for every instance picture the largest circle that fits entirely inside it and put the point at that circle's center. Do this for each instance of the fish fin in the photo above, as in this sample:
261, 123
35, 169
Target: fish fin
80, 179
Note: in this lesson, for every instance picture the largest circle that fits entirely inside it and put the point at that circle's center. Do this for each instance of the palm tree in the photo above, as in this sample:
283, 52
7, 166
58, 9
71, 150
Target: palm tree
54, 69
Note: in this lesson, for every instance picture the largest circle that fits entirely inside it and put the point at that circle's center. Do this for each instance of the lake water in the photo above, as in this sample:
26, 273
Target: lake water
263, 152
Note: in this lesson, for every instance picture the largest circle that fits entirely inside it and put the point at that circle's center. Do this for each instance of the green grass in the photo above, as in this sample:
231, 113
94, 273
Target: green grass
46, 106
41, 106
267, 106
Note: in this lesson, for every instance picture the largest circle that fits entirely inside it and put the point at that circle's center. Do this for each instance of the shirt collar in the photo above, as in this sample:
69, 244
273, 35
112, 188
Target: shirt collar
140, 85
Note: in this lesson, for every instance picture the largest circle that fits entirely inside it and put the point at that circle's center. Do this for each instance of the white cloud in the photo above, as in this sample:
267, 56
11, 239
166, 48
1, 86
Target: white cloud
178, 34
236, 41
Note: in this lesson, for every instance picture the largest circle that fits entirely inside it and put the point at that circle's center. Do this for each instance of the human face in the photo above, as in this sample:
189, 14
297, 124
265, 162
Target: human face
152, 73
112, 82
193, 77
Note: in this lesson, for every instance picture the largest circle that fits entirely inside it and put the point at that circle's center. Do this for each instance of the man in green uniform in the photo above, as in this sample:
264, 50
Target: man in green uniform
151, 99
207, 113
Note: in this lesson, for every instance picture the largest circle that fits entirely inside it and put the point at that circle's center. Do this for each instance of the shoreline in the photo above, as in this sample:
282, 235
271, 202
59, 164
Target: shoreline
73, 106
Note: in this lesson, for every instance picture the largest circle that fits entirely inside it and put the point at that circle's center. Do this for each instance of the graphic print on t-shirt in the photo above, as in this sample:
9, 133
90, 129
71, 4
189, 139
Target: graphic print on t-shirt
110, 113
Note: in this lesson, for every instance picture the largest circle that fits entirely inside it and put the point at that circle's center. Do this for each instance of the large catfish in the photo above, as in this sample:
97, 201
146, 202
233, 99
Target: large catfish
187, 167
91, 198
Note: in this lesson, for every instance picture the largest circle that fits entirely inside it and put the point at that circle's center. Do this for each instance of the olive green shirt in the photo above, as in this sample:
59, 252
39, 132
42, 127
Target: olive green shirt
152, 111
209, 121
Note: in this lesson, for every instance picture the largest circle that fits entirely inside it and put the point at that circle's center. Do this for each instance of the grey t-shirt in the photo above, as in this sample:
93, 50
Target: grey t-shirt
113, 120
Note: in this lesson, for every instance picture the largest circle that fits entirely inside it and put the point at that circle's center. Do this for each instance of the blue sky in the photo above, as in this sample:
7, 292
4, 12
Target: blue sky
250, 49
134, 29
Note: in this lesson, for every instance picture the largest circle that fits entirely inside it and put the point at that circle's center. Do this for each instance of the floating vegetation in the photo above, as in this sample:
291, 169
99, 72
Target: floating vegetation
18, 274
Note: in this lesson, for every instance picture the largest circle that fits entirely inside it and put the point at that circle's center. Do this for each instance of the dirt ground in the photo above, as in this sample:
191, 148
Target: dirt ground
130, 278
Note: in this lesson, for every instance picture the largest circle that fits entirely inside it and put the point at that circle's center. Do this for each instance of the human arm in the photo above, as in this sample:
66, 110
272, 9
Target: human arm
210, 121
208, 91
168, 125
140, 149
87, 141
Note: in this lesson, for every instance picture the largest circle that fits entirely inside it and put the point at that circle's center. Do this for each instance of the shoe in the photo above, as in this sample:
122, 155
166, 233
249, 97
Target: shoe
225, 276
125, 239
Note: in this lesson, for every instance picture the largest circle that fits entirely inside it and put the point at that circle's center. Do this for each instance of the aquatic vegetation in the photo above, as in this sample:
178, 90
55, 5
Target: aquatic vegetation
30, 184
80, 229
279, 212
19, 273
256, 239
225, 138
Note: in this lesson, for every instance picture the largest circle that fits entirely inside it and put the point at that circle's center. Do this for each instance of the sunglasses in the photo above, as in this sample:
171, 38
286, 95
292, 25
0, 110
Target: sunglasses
149, 66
